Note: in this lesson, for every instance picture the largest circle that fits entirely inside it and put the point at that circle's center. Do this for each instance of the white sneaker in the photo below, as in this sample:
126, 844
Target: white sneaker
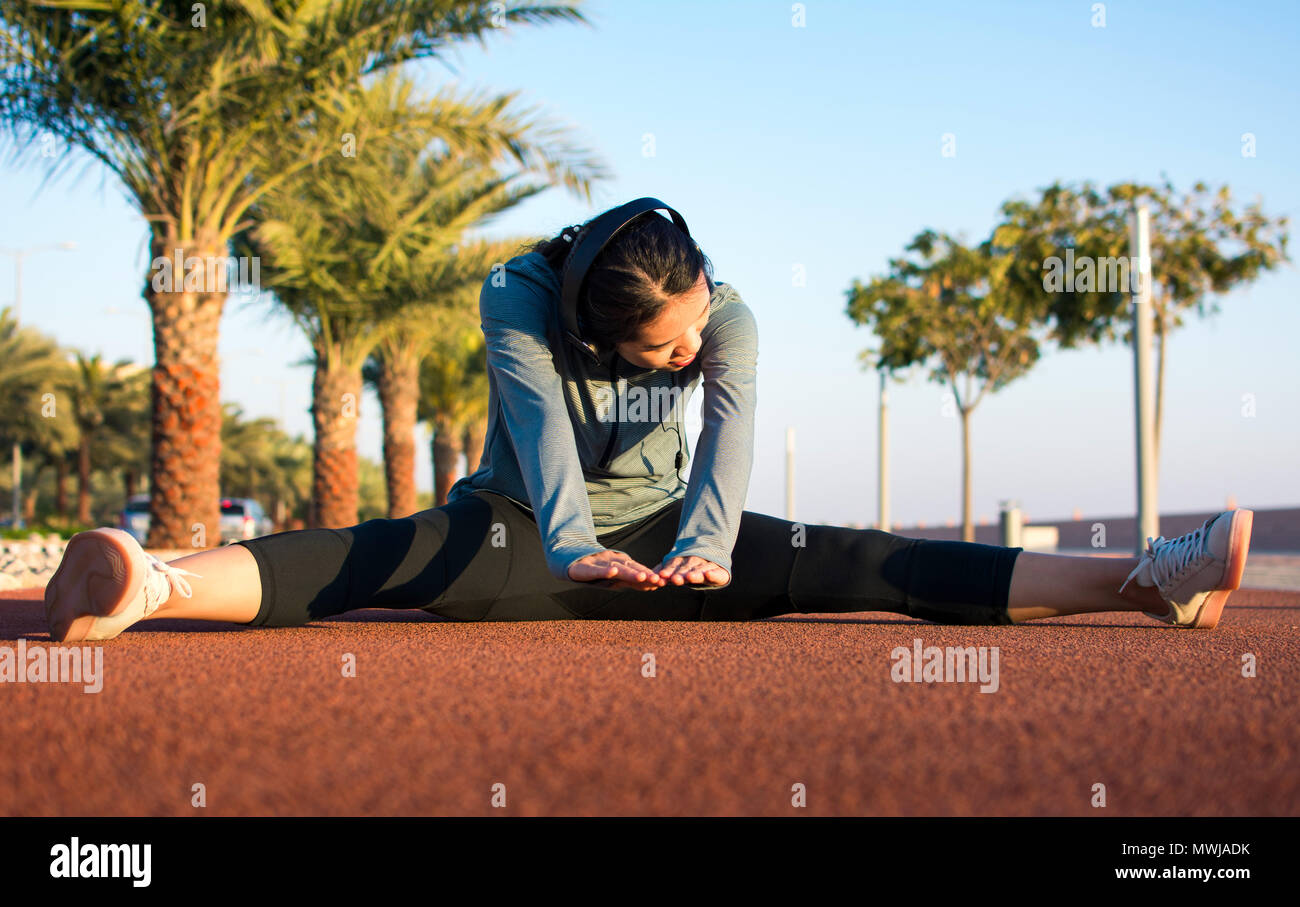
106, 582
1196, 572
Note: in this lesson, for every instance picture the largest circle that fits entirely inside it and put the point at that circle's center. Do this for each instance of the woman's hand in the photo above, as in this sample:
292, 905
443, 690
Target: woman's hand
614, 569
694, 570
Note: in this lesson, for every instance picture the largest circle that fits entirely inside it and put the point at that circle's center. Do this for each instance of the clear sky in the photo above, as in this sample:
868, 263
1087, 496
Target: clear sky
820, 146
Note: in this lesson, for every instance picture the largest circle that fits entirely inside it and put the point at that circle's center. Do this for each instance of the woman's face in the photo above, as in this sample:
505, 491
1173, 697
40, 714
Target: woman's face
672, 341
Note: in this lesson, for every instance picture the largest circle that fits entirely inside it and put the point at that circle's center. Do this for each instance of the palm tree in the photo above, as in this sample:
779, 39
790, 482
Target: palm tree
415, 332
397, 373
248, 453
474, 436
199, 120
32, 366
261, 462
123, 443
354, 243
100, 395
453, 396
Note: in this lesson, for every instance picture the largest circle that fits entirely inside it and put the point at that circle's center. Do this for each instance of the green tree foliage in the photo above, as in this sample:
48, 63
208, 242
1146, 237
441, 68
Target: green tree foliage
200, 110
947, 307
977, 317
1203, 245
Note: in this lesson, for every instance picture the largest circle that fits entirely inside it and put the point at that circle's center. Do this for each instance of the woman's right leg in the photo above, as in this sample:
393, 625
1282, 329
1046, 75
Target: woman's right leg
455, 557
225, 586
477, 558
452, 560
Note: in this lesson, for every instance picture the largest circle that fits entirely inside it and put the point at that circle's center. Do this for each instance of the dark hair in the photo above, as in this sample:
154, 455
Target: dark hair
631, 280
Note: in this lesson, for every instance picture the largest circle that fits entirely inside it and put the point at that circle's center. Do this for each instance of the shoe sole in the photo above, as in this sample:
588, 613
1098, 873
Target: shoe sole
1207, 616
97, 577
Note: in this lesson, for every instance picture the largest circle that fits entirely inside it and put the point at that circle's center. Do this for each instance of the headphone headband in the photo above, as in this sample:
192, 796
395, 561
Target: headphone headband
595, 236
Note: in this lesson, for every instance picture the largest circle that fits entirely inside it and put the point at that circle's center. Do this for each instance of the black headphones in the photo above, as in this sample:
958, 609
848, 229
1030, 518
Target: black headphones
594, 236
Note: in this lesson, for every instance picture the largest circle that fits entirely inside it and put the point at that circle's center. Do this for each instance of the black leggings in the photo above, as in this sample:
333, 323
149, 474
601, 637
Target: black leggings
480, 558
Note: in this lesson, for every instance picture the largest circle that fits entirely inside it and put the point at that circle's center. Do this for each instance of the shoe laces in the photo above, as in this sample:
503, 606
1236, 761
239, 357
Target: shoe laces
1169, 557
162, 579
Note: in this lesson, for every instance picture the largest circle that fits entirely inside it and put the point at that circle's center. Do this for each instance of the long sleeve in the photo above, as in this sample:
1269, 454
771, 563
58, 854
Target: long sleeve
520, 361
715, 495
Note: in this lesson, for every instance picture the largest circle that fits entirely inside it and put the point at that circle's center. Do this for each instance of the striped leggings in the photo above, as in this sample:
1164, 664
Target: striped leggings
480, 558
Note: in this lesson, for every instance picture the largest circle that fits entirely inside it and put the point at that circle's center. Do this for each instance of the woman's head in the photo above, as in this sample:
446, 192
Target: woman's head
646, 294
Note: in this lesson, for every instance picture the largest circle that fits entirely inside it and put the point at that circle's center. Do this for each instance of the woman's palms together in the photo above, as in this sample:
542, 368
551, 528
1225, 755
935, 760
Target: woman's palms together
616, 569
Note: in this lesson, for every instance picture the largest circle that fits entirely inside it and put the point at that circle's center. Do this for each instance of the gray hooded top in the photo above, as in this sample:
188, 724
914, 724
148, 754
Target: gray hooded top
590, 447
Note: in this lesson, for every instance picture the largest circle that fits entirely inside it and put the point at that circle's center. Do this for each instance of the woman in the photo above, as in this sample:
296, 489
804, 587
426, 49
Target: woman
578, 508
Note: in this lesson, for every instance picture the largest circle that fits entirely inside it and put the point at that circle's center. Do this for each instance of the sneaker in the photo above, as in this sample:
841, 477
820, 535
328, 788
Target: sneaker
105, 582
1196, 572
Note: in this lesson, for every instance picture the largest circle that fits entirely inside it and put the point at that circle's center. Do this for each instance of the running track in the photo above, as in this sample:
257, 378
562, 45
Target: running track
560, 713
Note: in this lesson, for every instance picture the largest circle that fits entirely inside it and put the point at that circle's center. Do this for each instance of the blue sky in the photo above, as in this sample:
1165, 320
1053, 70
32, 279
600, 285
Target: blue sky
819, 146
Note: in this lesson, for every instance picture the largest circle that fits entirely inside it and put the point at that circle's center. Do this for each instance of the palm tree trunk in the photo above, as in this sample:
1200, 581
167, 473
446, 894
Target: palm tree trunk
185, 462
29, 501
446, 452
399, 391
336, 398
967, 525
61, 485
472, 442
83, 480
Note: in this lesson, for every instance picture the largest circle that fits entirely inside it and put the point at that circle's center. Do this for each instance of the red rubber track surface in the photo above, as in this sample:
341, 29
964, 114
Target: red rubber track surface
560, 713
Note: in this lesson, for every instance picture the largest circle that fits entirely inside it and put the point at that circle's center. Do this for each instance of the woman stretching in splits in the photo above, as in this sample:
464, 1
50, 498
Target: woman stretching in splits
595, 339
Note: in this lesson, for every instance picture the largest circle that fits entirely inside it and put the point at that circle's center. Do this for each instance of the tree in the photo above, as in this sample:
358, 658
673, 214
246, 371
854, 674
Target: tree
191, 106
423, 193
33, 372
454, 396
356, 243
419, 332
122, 443
101, 396
948, 307
263, 463
1201, 246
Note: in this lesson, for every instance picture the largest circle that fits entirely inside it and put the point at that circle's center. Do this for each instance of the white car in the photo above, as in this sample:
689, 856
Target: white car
135, 517
241, 518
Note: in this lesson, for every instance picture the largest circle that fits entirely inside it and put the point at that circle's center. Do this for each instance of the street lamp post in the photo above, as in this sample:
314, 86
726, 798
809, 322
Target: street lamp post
789, 472
882, 458
18, 256
1148, 510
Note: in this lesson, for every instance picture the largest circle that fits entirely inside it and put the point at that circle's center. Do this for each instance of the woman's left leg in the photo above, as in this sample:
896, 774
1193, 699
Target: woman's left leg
783, 567
1052, 585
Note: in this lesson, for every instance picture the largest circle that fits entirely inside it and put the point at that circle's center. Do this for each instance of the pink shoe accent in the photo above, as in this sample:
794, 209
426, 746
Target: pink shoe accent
1207, 616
